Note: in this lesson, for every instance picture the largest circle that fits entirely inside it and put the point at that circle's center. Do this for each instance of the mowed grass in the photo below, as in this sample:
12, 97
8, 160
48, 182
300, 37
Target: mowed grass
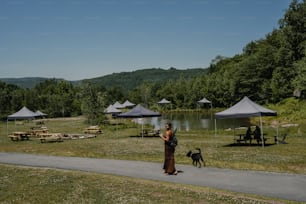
41, 185
31, 185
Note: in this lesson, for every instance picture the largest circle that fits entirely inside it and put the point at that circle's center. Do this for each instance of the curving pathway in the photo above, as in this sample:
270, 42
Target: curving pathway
276, 185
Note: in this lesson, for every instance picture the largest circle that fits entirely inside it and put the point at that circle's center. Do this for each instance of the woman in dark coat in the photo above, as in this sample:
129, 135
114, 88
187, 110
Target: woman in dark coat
169, 163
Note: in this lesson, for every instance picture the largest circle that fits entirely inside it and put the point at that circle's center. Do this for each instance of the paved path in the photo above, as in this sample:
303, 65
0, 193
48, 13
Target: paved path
275, 185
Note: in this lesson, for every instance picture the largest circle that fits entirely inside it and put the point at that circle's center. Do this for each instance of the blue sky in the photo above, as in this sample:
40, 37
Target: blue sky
78, 39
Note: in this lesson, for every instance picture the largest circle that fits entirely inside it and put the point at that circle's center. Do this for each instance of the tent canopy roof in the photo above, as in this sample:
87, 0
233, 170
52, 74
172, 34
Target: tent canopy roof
204, 100
127, 103
23, 113
39, 113
139, 112
111, 109
244, 109
118, 105
164, 101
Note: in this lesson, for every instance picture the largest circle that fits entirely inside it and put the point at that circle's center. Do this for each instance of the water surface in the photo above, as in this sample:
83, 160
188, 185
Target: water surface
195, 121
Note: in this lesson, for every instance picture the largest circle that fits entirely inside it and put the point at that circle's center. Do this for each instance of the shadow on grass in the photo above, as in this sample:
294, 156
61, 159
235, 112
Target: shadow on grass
145, 136
248, 145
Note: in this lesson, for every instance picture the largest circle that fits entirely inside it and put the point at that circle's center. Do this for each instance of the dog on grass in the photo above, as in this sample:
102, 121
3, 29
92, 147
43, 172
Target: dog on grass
196, 157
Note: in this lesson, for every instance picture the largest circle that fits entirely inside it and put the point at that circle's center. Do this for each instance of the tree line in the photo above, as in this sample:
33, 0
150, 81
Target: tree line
268, 70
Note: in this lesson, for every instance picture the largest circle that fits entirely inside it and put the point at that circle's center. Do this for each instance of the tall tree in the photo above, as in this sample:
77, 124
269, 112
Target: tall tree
293, 25
93, 102
300, 80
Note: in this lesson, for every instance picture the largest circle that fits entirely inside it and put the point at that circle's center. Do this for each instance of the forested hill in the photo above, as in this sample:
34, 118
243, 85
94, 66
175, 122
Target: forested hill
126, 80
24, 82
130, 80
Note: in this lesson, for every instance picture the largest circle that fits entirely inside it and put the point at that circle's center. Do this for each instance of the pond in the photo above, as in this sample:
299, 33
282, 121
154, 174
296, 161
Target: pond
194, 121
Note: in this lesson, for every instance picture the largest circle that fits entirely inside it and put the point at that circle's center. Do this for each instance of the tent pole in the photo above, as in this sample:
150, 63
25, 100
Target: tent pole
215, 127
142, 127
198, 110
261, 132
277, 131
116, 126
171, 111
234, 131
211, 110
7, 127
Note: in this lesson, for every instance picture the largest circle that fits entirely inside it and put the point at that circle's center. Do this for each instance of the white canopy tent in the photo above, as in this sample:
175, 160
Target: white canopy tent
118, 105
139, 112
245, 108
112, 110
205, 101
128, 104
23, 114
165, 102
38, 113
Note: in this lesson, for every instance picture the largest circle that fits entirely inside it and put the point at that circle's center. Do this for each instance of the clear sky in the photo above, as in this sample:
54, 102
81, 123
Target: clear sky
79, 39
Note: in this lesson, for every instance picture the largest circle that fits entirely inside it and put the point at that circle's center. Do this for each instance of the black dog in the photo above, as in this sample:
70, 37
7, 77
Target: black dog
196, 157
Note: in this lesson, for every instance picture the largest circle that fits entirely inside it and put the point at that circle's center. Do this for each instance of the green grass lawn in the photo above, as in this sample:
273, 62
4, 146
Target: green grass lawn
119, 142
39, 185
30, 185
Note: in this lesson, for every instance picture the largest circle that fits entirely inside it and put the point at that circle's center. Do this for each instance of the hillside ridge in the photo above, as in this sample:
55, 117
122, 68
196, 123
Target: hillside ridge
126, 80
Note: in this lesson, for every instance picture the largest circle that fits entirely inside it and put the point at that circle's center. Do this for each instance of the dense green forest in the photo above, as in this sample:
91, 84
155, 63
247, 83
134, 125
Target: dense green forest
268, 70
130, 80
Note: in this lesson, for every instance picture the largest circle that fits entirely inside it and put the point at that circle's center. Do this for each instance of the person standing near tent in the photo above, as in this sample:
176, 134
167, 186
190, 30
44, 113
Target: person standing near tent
169, 163
248, 134
257, 134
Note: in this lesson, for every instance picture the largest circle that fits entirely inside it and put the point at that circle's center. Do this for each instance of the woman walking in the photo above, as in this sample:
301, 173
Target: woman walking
169, 163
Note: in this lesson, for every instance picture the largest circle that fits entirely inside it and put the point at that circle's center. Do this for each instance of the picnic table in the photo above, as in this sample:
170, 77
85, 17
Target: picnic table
93, 130
51, 137
36, 131
17, 136
149, 133
259, 140
242, 138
